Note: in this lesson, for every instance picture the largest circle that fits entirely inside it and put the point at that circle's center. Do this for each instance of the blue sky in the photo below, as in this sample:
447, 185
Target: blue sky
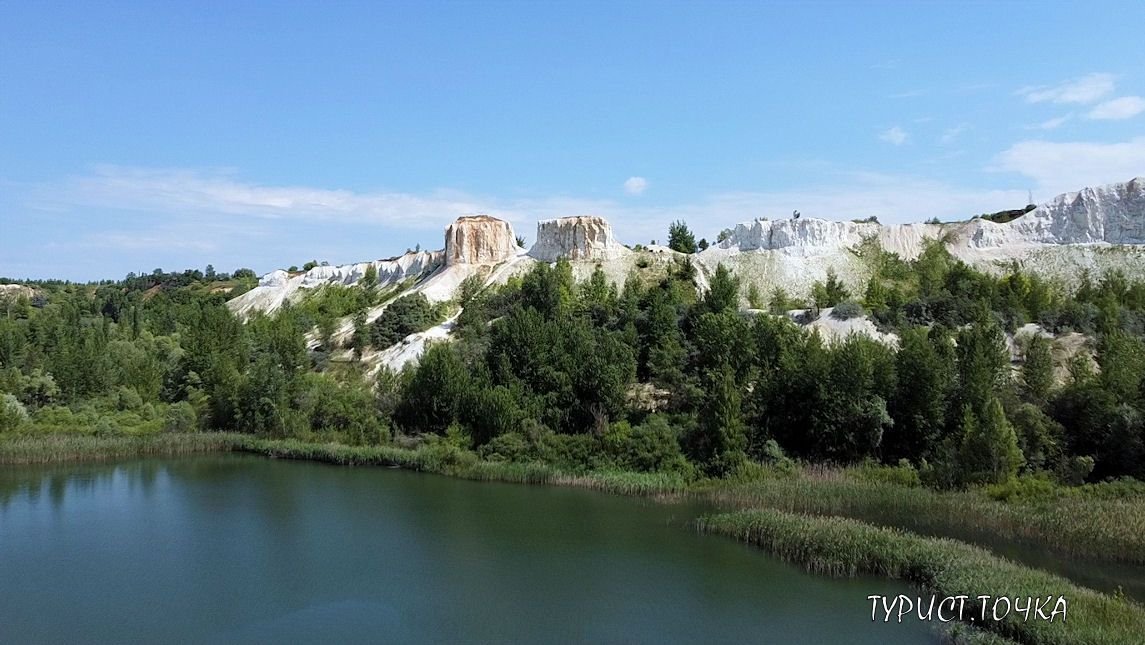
168, 134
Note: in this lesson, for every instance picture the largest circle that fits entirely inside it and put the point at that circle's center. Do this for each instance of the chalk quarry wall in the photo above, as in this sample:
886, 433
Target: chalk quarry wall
479, 239
576, 238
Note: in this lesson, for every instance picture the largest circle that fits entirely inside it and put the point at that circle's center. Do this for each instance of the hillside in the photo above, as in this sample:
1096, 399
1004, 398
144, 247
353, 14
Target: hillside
1088, 232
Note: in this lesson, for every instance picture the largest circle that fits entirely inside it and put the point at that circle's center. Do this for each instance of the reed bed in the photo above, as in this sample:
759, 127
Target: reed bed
1106, 528
846, 547
56, 448
446, 460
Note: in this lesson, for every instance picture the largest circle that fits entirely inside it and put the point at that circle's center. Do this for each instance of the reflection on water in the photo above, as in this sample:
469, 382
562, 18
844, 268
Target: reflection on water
238, 548
272, 496
243, 549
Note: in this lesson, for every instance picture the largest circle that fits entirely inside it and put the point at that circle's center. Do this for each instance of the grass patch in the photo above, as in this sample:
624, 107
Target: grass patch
1102, 522
845, 547
446, 459
56, 448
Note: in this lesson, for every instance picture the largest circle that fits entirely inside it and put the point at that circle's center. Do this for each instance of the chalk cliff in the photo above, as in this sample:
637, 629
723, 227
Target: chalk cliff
1113, 214
576, 238
479, 239
278, 287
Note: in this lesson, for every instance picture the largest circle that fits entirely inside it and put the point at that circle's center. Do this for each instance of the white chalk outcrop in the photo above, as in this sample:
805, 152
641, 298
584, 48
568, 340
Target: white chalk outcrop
1060, 239
279, 287
15, 292
1112, 214
479, 239
576, 238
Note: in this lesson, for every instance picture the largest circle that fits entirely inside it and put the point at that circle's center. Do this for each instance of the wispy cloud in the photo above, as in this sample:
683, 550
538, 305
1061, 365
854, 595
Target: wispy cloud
1085, 89
150, 217
895, 135
185, 197
195, 191
1051, 124
1125, 107
1063, 167
908, 94
635, 185
951, 134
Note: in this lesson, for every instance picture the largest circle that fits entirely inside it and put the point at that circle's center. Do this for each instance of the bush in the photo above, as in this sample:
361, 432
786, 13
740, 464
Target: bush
652, 446
511, 446
847, 310
1030, 488
573, 452
404, 316
12, 413
904, 474
180, 417
1074, 470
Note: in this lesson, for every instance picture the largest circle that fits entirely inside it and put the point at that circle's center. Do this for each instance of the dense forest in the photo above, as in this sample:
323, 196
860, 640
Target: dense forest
648, 376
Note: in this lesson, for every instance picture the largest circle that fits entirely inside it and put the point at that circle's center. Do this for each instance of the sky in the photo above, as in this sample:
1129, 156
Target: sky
173, 135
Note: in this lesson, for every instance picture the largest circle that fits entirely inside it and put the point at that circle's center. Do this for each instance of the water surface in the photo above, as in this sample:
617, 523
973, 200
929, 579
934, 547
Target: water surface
237, 548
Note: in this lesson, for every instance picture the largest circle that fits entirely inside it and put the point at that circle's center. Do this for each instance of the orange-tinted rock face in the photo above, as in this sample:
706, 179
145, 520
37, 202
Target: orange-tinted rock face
480, 239
576, 238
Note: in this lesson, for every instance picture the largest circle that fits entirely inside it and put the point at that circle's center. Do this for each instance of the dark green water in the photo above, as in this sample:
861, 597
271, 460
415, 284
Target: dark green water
244, 549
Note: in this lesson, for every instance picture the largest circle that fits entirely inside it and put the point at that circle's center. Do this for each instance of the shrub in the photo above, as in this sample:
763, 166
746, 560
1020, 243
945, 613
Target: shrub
404, 316
511, 446
1031, 488
650, 447
180, 417
904, 474
847, 310
12, 413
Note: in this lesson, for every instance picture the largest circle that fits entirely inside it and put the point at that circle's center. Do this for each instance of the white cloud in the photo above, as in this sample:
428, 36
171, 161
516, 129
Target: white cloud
1125, 107
214, 192
185, 200
951, 134
1064, 167
635, 185
1086, 89
1051, 124
896, 136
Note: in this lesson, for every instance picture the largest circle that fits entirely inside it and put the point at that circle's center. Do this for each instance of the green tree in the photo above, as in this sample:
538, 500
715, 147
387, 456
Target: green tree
919, 404
830, 293
989, 452
431, 398
1037, 369
723, 292
680, 238
720, 440
12, 413
370, 277
983, 364
402, 317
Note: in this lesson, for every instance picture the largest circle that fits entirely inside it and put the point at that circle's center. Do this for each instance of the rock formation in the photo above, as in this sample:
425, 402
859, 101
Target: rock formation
1113, 214
15, 292
479, 239
576, 238
278, 287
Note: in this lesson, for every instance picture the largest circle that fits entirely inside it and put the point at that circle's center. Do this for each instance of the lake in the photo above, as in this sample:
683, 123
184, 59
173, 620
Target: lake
238, 548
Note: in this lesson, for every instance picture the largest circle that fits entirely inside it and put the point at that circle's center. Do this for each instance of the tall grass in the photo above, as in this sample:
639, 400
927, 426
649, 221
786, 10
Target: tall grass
55, 448
845, 547
1081, 524
448, 460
